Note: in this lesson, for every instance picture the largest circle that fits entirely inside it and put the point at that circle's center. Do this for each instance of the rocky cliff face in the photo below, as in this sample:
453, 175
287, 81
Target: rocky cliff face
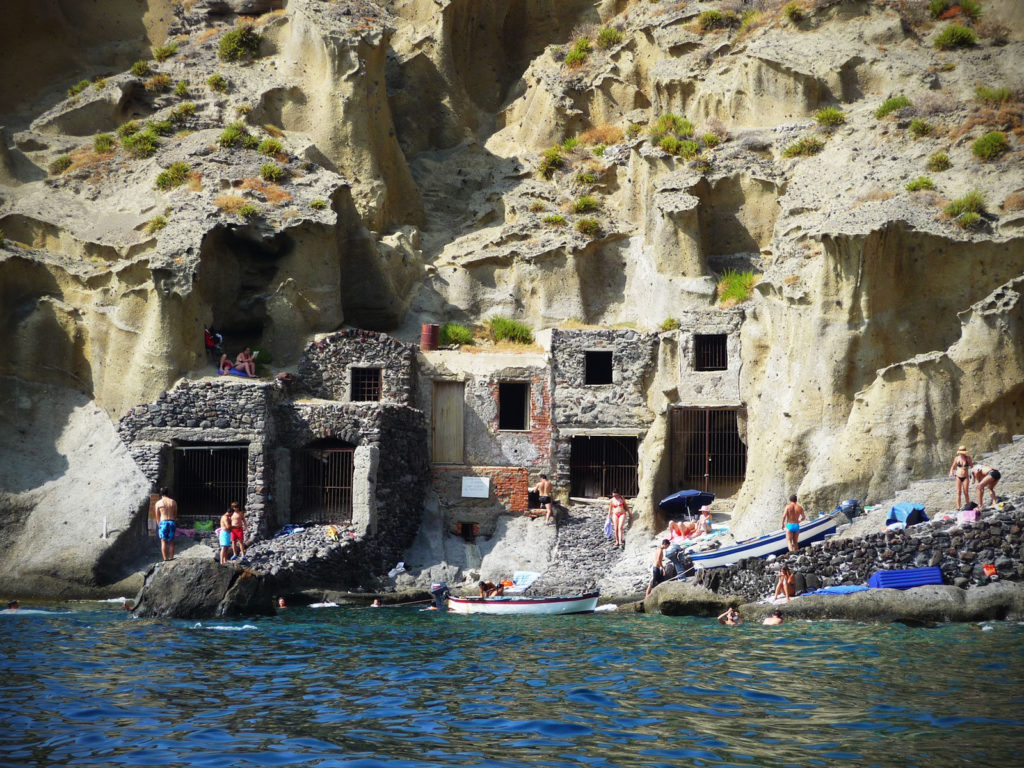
384, 164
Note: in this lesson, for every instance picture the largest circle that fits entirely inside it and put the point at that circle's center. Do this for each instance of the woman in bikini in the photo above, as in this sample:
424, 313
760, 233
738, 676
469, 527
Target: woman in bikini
784, 587
619, 514
985, 477
960, 469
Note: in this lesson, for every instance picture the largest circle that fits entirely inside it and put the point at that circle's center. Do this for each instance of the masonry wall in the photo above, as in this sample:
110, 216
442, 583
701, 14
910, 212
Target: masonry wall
509, 489
326, 365
695, 388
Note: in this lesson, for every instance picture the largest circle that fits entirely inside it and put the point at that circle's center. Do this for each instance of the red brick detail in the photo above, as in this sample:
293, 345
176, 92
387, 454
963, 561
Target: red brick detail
539, 433
509, 485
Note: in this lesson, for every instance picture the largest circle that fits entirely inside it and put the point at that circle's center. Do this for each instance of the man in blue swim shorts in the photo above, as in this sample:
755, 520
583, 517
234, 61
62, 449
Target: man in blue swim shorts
167, 514
791, 517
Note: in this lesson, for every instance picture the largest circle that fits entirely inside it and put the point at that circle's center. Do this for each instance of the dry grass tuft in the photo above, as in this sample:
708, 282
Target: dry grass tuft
272, 192
1005, 116
273, 130
606, 133
1014, 201
230, 203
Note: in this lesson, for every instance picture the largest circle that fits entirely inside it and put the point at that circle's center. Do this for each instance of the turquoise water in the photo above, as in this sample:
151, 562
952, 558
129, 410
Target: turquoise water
406, 689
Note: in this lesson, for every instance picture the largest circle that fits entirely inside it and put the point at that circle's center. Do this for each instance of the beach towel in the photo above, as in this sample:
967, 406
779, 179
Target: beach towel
520, 581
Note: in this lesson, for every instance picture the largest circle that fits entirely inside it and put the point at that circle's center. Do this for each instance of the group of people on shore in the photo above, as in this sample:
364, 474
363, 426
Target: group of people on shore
244, 365
963, 470
230, 535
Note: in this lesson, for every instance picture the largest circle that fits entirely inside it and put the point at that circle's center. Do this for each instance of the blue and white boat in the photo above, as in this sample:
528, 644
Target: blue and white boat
773, 543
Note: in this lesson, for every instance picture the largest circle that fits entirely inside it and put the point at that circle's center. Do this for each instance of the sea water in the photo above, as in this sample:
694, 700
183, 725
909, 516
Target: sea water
84, 684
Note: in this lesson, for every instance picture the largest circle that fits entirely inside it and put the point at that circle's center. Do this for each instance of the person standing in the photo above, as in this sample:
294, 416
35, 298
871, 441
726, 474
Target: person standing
544, 490
619, 514
985, 477
167, 527
658, 567
960, 469
237, 530
792, 515
224, 535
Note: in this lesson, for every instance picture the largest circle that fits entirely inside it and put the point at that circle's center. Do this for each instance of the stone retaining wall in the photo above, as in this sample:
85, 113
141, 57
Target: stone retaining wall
326, 365
959, 551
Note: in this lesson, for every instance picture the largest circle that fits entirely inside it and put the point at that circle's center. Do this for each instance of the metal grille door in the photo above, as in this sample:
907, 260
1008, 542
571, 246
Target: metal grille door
325, 486
707, 452
206, 479
602, 464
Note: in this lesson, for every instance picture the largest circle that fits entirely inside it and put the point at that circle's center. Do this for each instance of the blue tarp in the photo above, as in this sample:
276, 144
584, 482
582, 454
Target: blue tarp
906, 512
685, 503
840, 589
905, 578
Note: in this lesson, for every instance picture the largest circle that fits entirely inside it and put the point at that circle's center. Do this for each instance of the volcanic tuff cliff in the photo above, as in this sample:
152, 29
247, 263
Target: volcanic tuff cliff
409, 185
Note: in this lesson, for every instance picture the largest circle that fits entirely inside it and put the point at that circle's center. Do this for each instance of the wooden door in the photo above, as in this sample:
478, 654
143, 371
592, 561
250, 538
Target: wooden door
449, 397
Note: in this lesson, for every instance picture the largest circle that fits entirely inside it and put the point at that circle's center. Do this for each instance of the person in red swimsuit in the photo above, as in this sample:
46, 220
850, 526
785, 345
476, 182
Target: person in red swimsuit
619, 514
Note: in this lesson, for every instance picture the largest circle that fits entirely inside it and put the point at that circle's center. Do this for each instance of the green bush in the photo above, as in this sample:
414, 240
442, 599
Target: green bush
736, 287
164, 52
990, 146
242, 42
570, 143
938, 7
971, 9
955, 36
129, 128
586, 177
578, 54
217, 83
921, 182
688, 149
181, 89
160, 127
830, 117
318, 205
141, 69
670, 324
271, 172
156, 224
608, 37
588, 227
248, 210
103, 143
938, 162
972, 202
270, 147
586, 204
890, 105
453, 333
233, 136
61, 164
708, 20
599, 150
793, 12
182, 112
993, 95
141, 144
807, 146
506, 329
969, 220
670, 125
550, 161
78, 87
173, 175
669, 144
554, 220
920, 128
710, 140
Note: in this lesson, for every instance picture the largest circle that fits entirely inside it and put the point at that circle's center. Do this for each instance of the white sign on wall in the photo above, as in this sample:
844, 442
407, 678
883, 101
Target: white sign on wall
476, 487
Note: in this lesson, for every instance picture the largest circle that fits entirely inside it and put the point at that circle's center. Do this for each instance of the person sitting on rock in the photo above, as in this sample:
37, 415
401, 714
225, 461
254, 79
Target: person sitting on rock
658, 568
704, 522
246, 363
225, 366
985, 477
784, 586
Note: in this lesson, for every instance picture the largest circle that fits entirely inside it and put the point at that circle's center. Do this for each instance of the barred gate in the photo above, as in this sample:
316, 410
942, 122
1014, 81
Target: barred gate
707, 453
599, 465
324, 484
206, 479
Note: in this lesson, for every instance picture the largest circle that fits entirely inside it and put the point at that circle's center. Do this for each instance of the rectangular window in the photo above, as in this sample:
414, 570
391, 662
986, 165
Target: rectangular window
597, 368
709, 352
366, 384
513, 405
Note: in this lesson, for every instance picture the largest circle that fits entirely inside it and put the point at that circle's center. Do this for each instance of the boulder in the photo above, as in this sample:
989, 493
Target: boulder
199, 589
676, 598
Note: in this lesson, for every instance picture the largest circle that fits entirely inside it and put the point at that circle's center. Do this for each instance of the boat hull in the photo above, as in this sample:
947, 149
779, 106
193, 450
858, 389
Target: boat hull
525, 606
773, 543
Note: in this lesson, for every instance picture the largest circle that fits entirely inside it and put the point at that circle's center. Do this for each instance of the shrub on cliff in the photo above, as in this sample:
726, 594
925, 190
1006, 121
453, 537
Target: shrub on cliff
578, 54
608, 37
955, 36
892, 104
920, 128
938, 162
550, 161
181, 89
920, 183
61, 164
830, 117
78, 87
155, 224
164, 52
453, 333
670, 125
805, 147
993, 95
736, 287
234, 135
501, 328
793, 12
217, 83
141, 69
242, 42
158, 83
966, 211
182, 112
589, 227
554, 220
141, 143
990, 146
173, 175
270, 147
669, 324
103, 143
271, 172
586, 204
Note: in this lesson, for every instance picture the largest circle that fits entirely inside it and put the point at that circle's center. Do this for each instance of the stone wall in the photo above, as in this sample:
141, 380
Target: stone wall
959, 550
704, 387
326, 365
509, 490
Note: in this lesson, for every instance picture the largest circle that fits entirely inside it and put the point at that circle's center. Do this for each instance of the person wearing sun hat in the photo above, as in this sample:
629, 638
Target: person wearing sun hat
704, 523
961, 470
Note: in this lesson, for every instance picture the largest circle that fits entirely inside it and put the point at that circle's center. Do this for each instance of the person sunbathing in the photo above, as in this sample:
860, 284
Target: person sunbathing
246, 363
784, 586
225, 366
490, 589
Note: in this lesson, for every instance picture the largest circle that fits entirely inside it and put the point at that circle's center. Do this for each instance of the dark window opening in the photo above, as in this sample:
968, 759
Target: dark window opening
324, 483
602, 464
468, 531
709, 352
513, 405
707, 453
597, 368
366, 384
205, 479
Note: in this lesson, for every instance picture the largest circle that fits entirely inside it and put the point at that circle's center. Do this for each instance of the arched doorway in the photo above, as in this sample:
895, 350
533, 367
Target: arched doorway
323, 483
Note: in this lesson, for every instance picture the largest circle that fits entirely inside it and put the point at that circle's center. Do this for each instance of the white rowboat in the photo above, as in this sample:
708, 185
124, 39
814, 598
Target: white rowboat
517, 605
773, 543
